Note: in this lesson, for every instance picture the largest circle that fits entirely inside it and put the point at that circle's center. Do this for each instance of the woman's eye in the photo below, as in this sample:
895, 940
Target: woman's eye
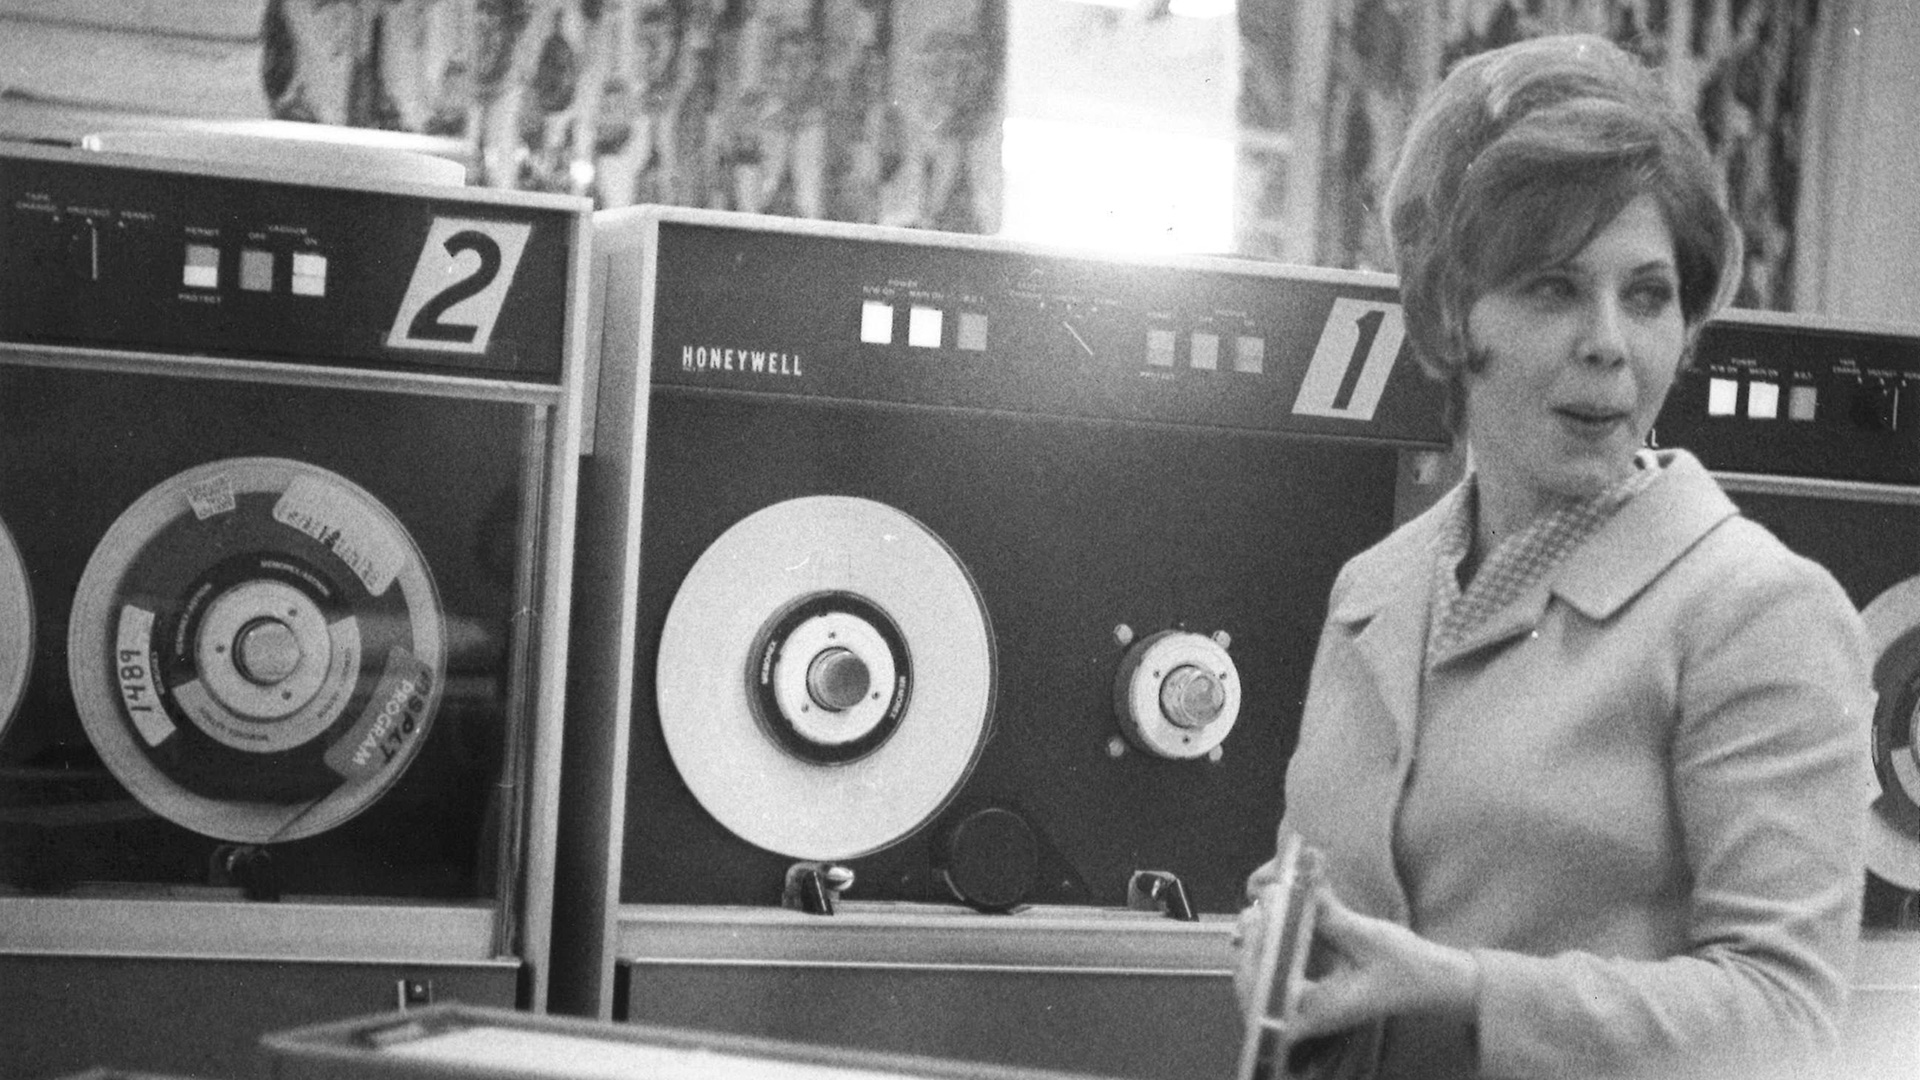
1651, 297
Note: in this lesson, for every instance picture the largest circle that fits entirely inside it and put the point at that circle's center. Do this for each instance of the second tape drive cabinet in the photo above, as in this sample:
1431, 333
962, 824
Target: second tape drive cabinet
945, 606
287, 472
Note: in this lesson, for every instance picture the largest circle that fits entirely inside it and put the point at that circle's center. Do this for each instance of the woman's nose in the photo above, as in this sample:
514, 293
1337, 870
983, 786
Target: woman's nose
1603, 339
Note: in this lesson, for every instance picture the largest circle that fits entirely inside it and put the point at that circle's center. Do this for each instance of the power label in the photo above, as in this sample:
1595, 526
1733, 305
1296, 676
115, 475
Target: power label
459, 285
1353, 360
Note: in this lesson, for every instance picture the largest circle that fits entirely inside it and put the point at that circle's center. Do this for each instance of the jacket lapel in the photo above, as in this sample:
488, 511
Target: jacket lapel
1383, 610
1644, 538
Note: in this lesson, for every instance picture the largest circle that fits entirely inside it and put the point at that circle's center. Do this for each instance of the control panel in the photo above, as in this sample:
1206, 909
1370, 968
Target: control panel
1225, 344
140, 254
1829, 402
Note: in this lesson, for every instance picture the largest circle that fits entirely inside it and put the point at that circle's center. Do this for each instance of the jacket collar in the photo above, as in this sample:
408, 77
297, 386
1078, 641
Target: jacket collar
1652, 530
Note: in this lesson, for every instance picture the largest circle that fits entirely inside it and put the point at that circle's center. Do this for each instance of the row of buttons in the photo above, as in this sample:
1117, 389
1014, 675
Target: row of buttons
202, 270
926, 329
925, 326
1763, 399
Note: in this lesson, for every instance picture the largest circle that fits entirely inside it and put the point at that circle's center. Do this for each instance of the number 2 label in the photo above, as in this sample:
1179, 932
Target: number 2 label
459, 285
1350, 366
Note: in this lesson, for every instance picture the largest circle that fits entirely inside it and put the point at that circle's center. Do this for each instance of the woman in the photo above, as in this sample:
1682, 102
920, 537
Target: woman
1584, 749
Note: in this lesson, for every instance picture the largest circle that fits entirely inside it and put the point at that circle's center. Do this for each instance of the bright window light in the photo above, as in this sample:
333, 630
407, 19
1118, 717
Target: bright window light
1078, 185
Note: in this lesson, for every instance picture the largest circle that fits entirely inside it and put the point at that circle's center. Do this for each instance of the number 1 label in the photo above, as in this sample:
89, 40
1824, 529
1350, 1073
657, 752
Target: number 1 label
1350, 366
459, 285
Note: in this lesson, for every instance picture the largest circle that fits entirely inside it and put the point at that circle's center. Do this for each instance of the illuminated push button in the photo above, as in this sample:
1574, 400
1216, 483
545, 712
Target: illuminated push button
1160, 348
256, 270
1802, 402
923, 327
876, 322
1206, 352
203, 267
309, 275
1723, 397
1763, 400
1249, 355
973, 331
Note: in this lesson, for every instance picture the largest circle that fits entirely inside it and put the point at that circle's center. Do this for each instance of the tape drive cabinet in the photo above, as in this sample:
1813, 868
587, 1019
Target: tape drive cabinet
287, 470
960, 588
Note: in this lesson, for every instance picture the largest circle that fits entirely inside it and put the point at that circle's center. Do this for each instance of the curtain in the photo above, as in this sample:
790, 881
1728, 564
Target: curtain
881, 111
1329, 86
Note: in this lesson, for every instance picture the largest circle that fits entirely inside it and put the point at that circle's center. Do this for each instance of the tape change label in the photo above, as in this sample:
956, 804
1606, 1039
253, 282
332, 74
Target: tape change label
459, 284
1353, 360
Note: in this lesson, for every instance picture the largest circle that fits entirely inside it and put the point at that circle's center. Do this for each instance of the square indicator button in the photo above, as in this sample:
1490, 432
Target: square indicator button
923, 327
1160, 348
202, 270
1763, 401
310, 275
1249, 355
1206, 352
256, 270
1723, 397
973, 331
1802, 402
876, 322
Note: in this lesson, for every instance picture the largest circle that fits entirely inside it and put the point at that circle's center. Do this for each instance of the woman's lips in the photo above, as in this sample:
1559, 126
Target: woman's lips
1590, 421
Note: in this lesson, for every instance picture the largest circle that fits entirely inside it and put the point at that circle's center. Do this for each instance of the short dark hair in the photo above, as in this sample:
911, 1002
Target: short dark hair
1519, 158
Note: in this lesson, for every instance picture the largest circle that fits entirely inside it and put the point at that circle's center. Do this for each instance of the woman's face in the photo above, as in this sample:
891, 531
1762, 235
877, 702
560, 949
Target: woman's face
1579, 357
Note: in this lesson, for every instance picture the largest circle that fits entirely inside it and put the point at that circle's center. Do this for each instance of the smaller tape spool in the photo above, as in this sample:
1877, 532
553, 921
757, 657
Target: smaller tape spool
1177, 694
1893, 832
257, 649
990, 859
16, 628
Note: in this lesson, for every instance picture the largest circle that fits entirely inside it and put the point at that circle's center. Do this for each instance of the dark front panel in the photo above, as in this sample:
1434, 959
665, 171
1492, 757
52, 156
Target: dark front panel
103, 253
1149, 1026
202, 1018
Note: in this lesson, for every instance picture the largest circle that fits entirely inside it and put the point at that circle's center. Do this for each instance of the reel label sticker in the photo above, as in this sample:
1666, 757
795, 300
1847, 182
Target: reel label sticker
137, 690
465, 270
396, 714
333, 517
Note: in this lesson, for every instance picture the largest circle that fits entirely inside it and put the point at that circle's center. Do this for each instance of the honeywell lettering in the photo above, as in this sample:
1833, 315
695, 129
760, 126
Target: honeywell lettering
750, 361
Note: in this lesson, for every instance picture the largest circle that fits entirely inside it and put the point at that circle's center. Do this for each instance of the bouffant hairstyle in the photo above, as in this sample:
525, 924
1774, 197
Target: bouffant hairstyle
1519, 158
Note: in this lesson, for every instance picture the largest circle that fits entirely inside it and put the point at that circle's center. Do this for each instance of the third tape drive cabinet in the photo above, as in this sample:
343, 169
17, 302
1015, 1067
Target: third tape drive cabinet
944, 612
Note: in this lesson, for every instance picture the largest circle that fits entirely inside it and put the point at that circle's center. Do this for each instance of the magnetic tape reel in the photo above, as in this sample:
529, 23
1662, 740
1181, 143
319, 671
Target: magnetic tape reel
825, 677
1281, 948
257, 649
1893, 826
16, 628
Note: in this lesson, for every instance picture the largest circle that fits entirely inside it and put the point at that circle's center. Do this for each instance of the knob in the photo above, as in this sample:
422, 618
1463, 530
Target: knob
837, 679
266, 651
1192, 697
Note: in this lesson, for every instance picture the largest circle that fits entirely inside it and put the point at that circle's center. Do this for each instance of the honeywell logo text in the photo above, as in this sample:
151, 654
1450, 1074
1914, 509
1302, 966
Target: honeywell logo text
747, 361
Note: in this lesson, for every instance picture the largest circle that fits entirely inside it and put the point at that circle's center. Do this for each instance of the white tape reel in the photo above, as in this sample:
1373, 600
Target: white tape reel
16, 628
826, 677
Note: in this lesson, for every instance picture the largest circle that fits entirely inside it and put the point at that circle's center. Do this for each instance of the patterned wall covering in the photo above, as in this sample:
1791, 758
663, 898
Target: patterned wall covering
1328, 87
856, 110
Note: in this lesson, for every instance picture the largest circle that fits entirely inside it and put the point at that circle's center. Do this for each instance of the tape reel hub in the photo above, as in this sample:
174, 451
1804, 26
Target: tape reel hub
263, 649
833, 678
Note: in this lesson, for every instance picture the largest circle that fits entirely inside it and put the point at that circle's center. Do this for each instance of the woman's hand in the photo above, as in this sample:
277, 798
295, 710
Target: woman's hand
1363, 969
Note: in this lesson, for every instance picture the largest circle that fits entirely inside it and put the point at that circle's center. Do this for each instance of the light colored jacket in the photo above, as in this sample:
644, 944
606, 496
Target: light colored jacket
1638, 794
